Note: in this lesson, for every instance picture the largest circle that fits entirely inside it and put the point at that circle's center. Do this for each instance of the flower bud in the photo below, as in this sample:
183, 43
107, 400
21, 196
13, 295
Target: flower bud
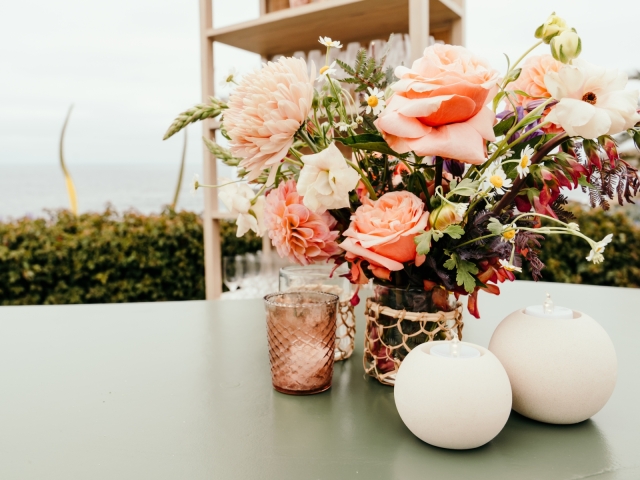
553, 26
566, 46
445, 215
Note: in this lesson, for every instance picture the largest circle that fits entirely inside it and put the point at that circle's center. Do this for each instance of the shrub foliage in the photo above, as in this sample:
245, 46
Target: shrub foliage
110, 257
106, 258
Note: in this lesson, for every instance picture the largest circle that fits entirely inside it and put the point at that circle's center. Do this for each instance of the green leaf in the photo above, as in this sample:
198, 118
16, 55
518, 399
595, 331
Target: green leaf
423, 242
495, 226
465, 188
465, 271
454, 231
369, 142
583, 182
504, 126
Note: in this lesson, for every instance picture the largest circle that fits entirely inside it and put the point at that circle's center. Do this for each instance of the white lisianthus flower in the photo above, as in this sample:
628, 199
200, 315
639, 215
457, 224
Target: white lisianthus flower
595, 255
326, 180
524, 162
494, 178
591, 100
566, 46
237, 198
554, 25
509, 267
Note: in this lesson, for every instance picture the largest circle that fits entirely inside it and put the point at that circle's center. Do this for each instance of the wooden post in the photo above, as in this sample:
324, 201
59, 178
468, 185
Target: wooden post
458, 28
212, 250
419, 26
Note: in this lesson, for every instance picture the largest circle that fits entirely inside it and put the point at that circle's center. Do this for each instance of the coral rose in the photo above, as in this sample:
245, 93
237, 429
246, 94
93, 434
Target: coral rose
439, 106
265, 111
382, 232
531, 79
297, 233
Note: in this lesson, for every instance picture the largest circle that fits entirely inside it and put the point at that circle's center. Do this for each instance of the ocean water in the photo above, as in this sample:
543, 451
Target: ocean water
29, 189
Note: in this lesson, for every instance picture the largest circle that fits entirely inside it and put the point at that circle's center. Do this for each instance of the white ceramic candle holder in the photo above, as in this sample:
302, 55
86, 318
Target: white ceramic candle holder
456, 403
562, 370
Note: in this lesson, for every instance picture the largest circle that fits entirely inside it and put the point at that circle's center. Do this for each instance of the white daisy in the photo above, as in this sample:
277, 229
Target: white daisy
509, 233
495, 179
326, 71
327, 42
461, 209
595, 255
524, 162
509, 267
342, 126
230, 78
195, 184
375, 101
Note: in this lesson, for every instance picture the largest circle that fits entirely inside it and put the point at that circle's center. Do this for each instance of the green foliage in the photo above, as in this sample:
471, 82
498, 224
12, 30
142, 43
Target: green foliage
564, 255
107, 257
465, 271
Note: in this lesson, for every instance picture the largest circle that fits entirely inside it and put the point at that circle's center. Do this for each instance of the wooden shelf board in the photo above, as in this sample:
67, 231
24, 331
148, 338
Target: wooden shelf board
298, 29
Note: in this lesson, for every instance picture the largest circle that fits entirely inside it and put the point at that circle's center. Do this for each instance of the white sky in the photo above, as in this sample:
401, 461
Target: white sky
130, 66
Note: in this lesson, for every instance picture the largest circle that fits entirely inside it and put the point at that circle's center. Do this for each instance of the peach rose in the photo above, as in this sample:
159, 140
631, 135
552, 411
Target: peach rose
439, 106
382, 232
531, 79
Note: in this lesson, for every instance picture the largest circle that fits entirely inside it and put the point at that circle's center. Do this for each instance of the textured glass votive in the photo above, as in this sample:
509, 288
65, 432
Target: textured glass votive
301, 330
327, 279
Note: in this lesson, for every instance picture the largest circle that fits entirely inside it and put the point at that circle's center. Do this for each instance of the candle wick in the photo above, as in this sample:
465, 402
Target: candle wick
548, 306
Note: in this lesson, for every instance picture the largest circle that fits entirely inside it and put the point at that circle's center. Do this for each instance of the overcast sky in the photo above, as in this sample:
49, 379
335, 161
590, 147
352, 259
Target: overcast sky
130, 66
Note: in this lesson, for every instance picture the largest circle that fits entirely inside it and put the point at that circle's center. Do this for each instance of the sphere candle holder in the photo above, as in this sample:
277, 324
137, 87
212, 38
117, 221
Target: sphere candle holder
453, 394
561, 363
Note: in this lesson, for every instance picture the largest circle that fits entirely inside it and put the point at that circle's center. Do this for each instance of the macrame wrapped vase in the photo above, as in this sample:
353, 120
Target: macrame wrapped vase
398, 320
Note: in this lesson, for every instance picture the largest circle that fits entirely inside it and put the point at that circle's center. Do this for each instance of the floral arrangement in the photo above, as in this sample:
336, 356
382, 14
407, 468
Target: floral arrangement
438, 174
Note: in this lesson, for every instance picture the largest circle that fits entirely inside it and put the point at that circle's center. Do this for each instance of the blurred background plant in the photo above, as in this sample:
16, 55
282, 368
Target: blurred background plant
110, 258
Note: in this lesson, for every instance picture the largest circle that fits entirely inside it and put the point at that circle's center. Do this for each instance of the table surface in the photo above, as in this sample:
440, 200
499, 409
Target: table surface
182, 390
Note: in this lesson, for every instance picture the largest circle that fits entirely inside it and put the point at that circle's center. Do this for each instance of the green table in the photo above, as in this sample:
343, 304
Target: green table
182, 391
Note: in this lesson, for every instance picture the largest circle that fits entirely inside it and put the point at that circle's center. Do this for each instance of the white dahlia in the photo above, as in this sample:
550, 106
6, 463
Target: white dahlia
265, 111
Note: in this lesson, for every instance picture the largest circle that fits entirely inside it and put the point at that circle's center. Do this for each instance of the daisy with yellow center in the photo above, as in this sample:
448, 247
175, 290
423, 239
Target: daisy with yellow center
327, 42
325, 72
495, 180
375, 101
509, 233
524, 162
508, 266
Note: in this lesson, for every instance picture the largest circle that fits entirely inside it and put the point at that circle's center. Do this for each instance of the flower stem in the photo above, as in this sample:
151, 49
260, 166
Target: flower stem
365, 180
517, 185
305, 137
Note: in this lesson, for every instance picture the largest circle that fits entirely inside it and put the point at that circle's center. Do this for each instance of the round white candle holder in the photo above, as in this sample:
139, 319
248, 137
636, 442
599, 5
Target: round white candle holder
457, 401
562, 370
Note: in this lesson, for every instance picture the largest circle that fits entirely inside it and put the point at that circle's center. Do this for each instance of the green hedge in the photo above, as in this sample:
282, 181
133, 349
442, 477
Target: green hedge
106, 258
110, 257
564, 256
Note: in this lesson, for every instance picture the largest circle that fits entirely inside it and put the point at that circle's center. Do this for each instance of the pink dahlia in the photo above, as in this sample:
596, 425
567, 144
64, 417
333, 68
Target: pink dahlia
265, 111
302, 236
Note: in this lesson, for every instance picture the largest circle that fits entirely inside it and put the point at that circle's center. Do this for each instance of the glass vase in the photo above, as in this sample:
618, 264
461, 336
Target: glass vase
323, 278
400, 319
301, 331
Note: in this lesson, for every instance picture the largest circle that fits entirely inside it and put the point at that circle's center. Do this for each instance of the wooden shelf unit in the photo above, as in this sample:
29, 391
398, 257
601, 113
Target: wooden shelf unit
283, 32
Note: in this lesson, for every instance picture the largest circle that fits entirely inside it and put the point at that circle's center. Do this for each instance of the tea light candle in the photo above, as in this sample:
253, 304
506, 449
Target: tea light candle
453, 349
549, 310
